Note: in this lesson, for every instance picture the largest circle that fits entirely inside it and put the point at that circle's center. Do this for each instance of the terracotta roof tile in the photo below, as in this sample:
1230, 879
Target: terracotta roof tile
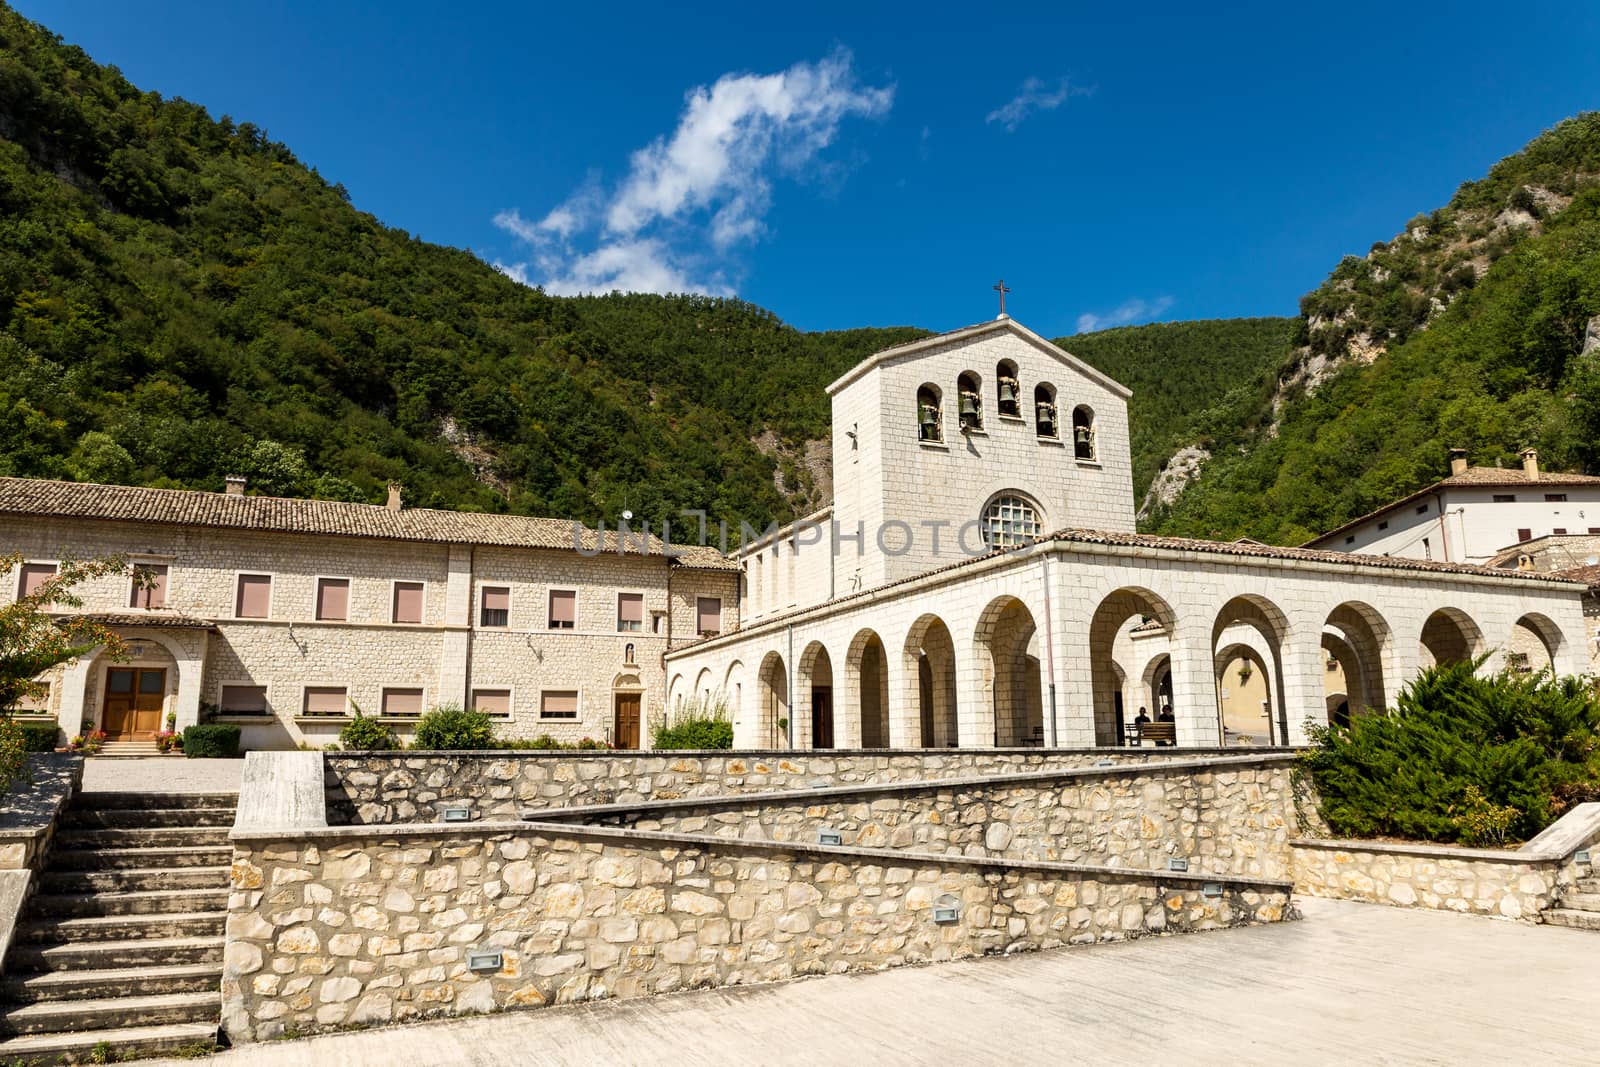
1588, 575
182, 507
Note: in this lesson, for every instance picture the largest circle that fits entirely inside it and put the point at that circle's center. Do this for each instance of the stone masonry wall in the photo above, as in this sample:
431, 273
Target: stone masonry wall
342, 927
366, 787
1476, 881
1234, 820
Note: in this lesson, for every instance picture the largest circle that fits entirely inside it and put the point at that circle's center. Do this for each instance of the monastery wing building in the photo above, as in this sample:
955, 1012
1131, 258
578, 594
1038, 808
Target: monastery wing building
977, 581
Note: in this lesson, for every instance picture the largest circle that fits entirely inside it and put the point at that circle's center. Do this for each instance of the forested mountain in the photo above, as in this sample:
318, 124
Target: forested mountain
1467, 330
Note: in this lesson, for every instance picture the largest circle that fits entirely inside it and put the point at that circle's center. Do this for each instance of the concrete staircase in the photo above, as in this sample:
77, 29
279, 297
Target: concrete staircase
127, 750
119, 953
1580, 907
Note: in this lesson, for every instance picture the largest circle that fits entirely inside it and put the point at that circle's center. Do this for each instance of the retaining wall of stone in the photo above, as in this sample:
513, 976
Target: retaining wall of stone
356, 925
372, 787
1232, 816
1504, 884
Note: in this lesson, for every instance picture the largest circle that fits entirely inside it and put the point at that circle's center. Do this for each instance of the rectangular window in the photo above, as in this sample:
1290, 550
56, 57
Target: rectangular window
657, 619
496, 703
243, 700
1559, 531
630, 612
708, 614
1555, 498
407, 602
33, 576
1350, 539
1594, 529
563, 609
254, 596
36, 703
324, 700
149, 586
1524, 534
496, 611
333, 599
1505, 498
558, 704
1422, 509
1383, 525
1427, 549
402, 703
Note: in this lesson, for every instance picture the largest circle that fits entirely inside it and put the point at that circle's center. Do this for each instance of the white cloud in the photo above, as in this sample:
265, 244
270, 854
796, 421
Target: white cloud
1135, 310
691, 198
1034, 96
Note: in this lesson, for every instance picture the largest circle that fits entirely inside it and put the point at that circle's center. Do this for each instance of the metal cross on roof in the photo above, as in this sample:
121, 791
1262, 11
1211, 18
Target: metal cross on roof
1002, 289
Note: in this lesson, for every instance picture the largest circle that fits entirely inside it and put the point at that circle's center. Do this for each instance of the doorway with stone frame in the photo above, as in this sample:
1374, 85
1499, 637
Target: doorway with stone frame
134, 702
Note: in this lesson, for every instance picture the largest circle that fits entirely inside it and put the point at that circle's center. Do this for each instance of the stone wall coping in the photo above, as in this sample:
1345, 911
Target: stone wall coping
282, 791
581, 812
27, 816
326, 837
1556, 843
1106, 752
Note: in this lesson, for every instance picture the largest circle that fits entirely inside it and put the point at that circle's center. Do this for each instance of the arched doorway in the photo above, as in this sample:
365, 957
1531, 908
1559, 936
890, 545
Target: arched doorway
1006, 646
929, 660
1448, 636
772, 710
627, 711
1122, 612
815, 684
867, 673
1252, 621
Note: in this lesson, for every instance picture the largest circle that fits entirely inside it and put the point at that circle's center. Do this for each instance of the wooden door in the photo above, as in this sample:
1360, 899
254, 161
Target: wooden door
135, 697
626, 731
821, 716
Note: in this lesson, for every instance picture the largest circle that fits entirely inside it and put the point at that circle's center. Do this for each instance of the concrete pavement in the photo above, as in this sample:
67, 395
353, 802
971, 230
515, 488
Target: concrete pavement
1351, 983
161, 774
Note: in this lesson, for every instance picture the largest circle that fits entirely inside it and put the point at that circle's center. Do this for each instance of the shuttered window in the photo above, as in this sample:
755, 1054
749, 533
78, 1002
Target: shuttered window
33, 576
149, 586
496, 611
35, 703
405, 703
324, 700
243, 700
492, 702
407, 602
708, 614
333, 599
255, 596
558, 704
563, 609
630, 612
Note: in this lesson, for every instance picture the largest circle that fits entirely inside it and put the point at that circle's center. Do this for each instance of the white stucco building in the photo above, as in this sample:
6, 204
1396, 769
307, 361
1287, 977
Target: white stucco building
977, 581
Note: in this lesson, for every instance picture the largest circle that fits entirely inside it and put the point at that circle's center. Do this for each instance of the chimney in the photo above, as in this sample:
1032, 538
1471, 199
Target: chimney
235, 484
394, 496
1530, 463
1458, 461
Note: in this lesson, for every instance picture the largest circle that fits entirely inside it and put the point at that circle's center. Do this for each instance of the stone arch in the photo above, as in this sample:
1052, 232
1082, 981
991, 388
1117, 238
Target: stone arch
769, 729
1357, 641
1045, 423
1448, 636
1533, 644
1083, 433
1244, 675
867, 689
83, 682
1011, 519
929, 661
733, 692
676, 692
814, 685
1005, 647
930, 412
702, 688
1007, 390
1255, 612
969, 400
1129, 604
1155, 686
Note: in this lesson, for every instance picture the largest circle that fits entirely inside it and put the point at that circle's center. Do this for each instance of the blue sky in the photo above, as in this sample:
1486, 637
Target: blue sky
851, 165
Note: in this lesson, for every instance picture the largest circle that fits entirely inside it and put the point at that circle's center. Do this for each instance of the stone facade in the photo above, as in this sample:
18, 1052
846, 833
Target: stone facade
378, 788
354, 926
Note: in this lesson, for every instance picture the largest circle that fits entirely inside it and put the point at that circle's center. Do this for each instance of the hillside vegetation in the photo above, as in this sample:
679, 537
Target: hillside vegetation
1465, 331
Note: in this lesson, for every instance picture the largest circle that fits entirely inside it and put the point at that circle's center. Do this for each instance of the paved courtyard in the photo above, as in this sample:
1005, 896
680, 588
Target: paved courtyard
162, 774
1352, 983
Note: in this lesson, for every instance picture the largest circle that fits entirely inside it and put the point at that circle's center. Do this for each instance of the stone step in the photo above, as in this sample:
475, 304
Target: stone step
123, 1043
122, 927
1578, 920
112, 954
110, 1013
145, 818
1588, 885
103, 800
115, 982
1581, 902
107, 859
167, 836
137, 902
133, 879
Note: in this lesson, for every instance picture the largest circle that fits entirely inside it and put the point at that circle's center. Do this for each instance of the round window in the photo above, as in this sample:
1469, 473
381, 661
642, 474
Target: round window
1009, 521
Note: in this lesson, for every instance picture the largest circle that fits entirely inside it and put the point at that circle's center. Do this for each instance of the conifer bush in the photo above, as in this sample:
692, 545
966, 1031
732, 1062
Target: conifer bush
1461, 758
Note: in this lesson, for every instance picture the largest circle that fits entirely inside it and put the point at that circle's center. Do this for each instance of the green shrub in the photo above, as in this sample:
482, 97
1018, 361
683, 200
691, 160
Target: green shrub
701, 723
40, 736
546, 743
364, 734
214, 740
448, 727
1461, 758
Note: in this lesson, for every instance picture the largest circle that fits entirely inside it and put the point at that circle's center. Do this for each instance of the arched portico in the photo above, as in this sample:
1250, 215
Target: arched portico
1534, 644
1448, 636
814, 683
179, 653
1270, 627
1005, 645
1356, 644
1114, 612
865, 708
929, 669
769, 730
